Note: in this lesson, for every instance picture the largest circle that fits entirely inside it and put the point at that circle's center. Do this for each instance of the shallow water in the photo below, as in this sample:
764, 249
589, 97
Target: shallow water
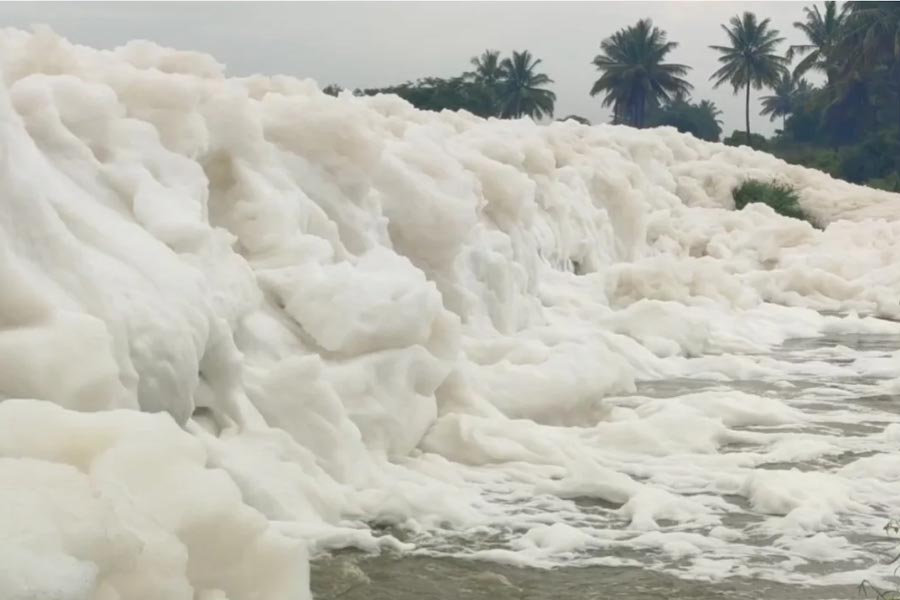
350, 576
846, 418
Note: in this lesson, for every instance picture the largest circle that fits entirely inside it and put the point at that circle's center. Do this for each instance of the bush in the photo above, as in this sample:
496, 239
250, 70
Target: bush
821, 159
874, 158
739, 138
890, 182
699, 120
781, 197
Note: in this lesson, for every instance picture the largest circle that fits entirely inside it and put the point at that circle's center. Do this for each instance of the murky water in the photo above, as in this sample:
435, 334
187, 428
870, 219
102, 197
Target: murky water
353, 576
848, 411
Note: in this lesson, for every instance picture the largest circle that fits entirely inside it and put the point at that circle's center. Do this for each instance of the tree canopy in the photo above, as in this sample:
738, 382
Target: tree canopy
522, 89
848, 126
751, 59
635, 77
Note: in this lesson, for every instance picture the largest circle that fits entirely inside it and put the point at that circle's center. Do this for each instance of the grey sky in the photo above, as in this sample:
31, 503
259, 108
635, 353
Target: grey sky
367, 44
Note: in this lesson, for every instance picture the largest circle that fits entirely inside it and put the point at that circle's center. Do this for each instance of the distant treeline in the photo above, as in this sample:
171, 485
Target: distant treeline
849, 126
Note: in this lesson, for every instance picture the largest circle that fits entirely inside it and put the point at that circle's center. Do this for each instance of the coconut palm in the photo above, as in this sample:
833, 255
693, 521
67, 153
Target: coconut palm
824, 32
787, 95
635, 77
484, 81
522, 89
872, 41
751, 60
700, 120
872, 32
709, 107
487, 67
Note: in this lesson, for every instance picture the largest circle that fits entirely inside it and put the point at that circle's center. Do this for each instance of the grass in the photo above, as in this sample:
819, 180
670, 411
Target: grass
781, 197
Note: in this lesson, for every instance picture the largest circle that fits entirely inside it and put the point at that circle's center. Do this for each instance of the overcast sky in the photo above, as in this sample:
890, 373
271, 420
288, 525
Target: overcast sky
370, 44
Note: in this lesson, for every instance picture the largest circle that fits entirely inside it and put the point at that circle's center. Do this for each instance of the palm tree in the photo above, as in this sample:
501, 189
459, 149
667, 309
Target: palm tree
872, 40
872, 31
635, 78
824, 33
709, 107
710, 113
487, 67
485, 79
521, 88
751, 59
787, 95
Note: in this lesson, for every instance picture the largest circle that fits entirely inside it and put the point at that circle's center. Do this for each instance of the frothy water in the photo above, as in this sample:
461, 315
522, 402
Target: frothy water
790, 510
244, 323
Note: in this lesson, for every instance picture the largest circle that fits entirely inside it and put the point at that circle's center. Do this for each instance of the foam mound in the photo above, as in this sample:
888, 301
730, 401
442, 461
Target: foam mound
240, 318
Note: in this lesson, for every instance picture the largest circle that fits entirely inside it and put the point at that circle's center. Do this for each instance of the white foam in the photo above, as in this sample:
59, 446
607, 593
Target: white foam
243, 319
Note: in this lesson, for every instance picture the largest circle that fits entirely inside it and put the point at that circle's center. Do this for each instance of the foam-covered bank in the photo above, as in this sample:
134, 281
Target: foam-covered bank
240, 319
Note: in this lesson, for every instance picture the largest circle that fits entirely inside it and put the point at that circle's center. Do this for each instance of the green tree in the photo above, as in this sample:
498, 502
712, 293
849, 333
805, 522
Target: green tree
871, 44
874, 158
787, 95
437, 94
751, 59
332, 89
488, 74
739, 138
635, 77
825, 33
487, 67
700, 120
522, 90
709, 108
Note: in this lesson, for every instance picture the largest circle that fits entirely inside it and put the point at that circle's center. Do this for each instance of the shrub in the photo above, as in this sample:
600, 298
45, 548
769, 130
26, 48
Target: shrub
739, 138
700, 120
822, 159
781, 197
874, 158
890, 182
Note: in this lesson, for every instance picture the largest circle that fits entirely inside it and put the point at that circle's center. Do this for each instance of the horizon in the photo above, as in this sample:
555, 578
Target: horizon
334, 43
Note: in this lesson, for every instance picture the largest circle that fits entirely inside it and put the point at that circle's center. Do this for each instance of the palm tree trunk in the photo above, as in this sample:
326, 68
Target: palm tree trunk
640, 115
747, 114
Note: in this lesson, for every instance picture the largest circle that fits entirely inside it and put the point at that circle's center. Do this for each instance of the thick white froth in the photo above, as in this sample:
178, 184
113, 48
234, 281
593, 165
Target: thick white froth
241, 318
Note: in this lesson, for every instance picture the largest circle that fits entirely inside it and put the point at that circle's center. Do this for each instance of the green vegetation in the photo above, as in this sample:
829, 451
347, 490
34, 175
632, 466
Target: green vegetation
437, 94
751, 60
824, 33
788, 93
700, 120
781, 197
848, 127
521, 88
508, 88
635, 79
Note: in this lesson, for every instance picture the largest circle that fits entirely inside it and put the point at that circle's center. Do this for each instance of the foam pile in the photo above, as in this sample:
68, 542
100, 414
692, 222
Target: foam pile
240, 318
